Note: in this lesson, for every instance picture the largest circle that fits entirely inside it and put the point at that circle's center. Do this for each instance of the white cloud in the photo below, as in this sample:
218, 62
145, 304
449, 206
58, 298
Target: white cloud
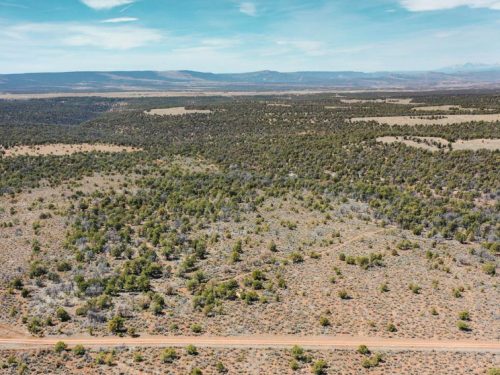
105, 4
111, 37
120, 20
248, 8
427, 5
308, 47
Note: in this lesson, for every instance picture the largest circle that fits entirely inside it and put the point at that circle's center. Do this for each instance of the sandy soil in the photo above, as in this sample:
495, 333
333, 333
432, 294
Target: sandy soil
245, 361
264, 341
65, 149
427, 120
477, 144
402, 101
175, 111
430, 143
25, 209
443, 108
278, 105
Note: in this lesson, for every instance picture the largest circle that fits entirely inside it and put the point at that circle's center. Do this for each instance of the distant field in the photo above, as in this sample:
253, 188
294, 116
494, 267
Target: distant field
435, 143
429, 120
446, 107
403, 101
64, 149
156, 94
176, 111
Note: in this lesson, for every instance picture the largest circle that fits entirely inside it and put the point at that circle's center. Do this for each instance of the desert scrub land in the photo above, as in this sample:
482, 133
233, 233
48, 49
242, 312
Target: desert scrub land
437, 119
63, 149
176, 111
243, 361
247, 272
255, 220
402, 101
436, 143
445, 107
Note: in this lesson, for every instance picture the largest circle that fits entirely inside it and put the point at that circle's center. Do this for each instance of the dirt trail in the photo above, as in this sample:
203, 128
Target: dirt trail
256, 341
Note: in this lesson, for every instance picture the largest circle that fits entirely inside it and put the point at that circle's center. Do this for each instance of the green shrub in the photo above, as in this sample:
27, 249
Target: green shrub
273, 247
343, 294
391, 327
60, 347
490, 268
462, 326
373, 361
196, 328
169, 355
220, 367
79, 350
464, 315
191, 350
62, 315
415, 288
116, 324
319, 367
296, 257
298, 353
324, 322
363, 349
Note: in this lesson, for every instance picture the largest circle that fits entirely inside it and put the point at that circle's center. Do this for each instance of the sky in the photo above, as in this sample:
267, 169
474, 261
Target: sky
247, 35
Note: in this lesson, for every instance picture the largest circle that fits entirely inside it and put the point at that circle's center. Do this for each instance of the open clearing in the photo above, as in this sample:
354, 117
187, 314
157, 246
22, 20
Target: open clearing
157, 94
429, 120
402, 101
436, 143
59, 149
446, 107
176, 111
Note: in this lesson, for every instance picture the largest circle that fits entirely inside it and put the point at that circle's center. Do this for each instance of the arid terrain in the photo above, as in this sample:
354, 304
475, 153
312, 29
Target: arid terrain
444, 119
436, 143
63, 149
278, 234
176, 111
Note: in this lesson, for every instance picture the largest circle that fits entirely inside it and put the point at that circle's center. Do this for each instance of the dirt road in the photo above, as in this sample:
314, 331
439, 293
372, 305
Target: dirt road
311, 342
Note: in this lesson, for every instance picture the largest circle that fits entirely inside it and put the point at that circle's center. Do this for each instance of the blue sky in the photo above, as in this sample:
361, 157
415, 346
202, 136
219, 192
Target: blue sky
246, 35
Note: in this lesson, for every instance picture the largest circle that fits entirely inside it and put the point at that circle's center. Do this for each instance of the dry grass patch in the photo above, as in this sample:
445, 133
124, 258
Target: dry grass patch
446, 107
429, 120
243, 361
402, 101
176, 111
278, 105
64, 149
436, 143
477, 144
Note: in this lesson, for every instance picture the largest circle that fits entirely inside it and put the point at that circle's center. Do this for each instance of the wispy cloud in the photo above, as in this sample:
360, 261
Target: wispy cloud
105, 4
111, 37
248, 8
428, 5
126, 8
308, 47
120, 20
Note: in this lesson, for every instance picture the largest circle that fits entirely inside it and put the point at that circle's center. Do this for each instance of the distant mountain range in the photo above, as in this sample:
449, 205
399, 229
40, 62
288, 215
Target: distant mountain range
458, 77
